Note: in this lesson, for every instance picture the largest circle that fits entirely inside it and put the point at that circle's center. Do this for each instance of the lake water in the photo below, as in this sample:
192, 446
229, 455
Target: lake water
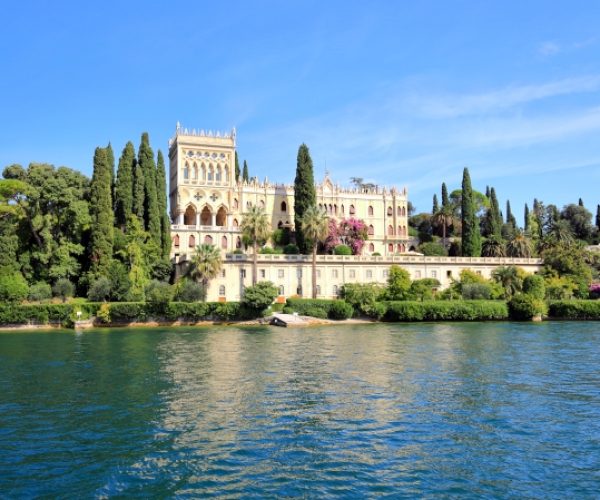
398, 410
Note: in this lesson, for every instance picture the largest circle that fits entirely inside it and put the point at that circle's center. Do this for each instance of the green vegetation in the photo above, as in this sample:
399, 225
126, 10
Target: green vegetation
464, 310
315, 228
304, 193
319, 308
259, 297
471, 238
255, 227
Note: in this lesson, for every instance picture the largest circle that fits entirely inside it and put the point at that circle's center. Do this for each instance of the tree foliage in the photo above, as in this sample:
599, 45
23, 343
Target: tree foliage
304, 193
471, 238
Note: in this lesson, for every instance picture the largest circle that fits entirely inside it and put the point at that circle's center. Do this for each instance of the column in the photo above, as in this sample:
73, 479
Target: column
197, 218
214, 219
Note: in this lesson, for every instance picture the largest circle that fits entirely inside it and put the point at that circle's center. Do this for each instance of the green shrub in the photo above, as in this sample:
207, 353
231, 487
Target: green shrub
462, 310
103, 314
40, 291
291, 249
432, 248
575, 309
288, 310
362, 297
259, 296
398, 283
63, 289
100, 290
186, 311
342, 250
127, 312
315, 312
158, 295
376, 254
227, 311
534, 285
13, 287
423, 289
524, 307
189, 291
340, 309
303, 306
476, 291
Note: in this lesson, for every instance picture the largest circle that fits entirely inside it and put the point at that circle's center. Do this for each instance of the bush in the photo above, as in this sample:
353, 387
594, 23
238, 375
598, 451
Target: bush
13, 287
119, 280
100, 290
303, 306
15, 314
376, 254
473, 310
127, 312
342, 250
315, 312
340, 309
362, 297
40, 291
158, 295
291, 249
190, 291
103, 313
534, 285
260, 296
187, 311
524, 307
432, 248
423, 289
575, 309
63, 289
476, 291
398, 283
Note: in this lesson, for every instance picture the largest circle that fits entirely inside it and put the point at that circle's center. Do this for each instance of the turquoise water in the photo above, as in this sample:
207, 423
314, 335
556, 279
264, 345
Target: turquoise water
475, 410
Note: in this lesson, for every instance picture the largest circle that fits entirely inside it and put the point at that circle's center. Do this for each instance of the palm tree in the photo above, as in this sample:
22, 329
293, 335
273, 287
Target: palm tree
315, 226
493, 247
443, 217
519, 246
205, 264
510, 279
255, 227
561, 232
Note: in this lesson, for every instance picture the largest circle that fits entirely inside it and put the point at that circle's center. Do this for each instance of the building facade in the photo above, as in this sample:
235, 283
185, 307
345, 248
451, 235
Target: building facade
207, 202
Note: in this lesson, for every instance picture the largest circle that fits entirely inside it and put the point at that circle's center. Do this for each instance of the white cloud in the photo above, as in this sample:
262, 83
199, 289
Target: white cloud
549, 48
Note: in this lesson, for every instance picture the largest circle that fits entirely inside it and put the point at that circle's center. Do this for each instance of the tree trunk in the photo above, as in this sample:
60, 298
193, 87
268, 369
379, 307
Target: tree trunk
255, 263
314, 272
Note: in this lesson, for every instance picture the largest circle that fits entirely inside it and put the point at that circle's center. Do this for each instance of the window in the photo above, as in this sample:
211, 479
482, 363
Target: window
281, 290
448, 274
186, 172
342, 209
478, 272
399, 211
283, 206
318, 289
390, 211
242, 273
299, 290
224, 242
208, 240
334, 273
385, 273
434, 274
222, 290
335, 290
390, 230
418, 274
263, 273
280, 273
370, 210
210, 172
391, 247
371, 230
352, 210
192, 241
218, 177
261, 203
352, 273
369, 274
235, 204
223, 273
371, 247
176, 241
299, 273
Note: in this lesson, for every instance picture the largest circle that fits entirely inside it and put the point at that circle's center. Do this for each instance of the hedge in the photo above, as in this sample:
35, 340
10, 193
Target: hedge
433, 310
41, 314
319, 308
574, 309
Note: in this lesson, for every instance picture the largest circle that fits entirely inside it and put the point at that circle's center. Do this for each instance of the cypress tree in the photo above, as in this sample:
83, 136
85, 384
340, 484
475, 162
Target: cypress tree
496, 217
237, 167
304, 192
580, 202
598, 217
526, 215
138, 191
151, 211
510, 218
101, 211
435, 207
110, 157
487, 192
245, 175
161, 191
445, 200
471, 237
124, 185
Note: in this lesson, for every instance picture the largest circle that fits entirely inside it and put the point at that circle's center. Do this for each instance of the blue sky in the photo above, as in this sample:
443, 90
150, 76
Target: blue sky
399, 93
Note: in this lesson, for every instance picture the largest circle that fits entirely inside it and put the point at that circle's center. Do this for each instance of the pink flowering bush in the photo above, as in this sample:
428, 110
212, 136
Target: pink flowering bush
352, 232
595, 291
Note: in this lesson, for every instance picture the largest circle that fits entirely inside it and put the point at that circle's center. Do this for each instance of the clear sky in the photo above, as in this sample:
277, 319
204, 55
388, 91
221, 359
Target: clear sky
399, 93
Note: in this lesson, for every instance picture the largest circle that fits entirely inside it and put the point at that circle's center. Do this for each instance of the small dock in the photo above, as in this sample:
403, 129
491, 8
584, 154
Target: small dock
285, 320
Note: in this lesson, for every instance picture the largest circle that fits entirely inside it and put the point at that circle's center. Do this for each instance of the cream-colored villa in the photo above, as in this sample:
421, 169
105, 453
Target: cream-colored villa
207, 204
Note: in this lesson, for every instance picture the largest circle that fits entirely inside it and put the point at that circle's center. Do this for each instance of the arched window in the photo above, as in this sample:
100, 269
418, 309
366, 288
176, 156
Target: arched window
352, 210
218, 177
370, 210
211, 172
238, 242
371, 231
195, 172
221, 216
227, 175
235, 204
390, 230
208, 240
399, 248
248, 204
186, 172
342, 209
206, 217
224, 242
335, 207
261, 204
189, 216
283, 206
403, 211
222, 290
235, 223
279, 224
330, 208
320, 206
390, 211
281, 290
371, 247
400, 230
391, 247
203, 172
192, 241
176, 241
399, 211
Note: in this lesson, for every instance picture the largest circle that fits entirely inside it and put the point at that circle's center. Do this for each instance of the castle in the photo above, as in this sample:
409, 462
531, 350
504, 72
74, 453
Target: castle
207, 204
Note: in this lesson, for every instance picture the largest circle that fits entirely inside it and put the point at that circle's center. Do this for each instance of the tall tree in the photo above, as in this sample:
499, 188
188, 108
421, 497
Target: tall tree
110, 157
245, 174
151, 209
139, 188
580, 202
471, 237
510, 218
304, 193
255, 227
124, 185
101, 209
237, 167
161, 192
435, 207
315, 226
598, 217
445, 200
205, 264
526, 217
